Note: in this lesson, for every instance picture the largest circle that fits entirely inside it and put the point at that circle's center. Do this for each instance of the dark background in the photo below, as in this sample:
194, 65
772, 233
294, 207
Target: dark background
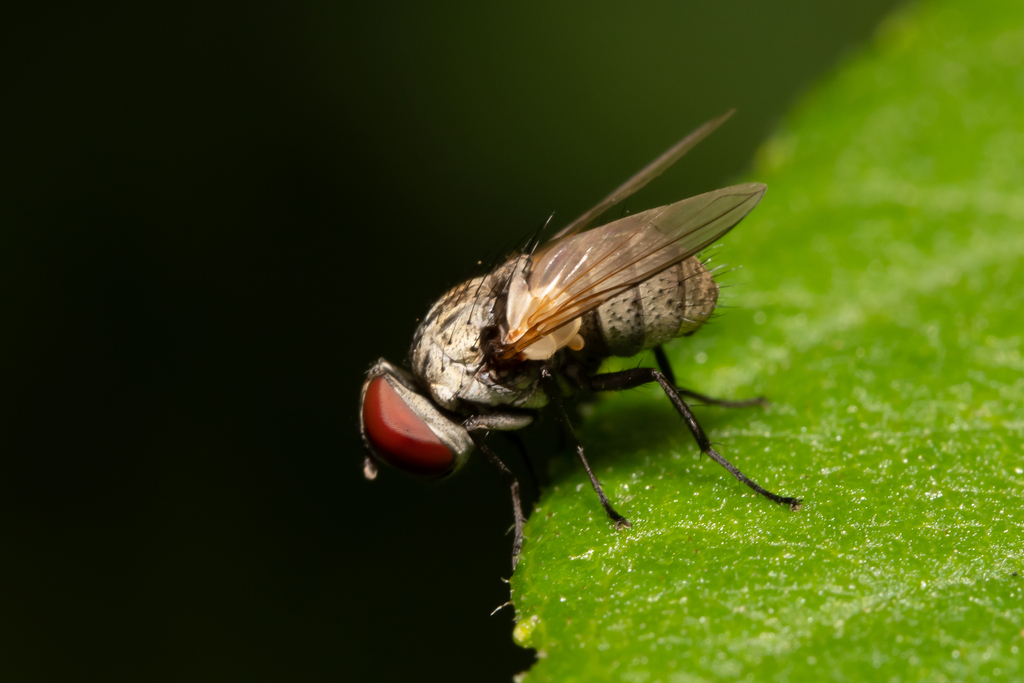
213, 218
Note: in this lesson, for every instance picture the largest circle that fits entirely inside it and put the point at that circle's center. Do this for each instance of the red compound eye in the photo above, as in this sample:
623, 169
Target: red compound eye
399, 435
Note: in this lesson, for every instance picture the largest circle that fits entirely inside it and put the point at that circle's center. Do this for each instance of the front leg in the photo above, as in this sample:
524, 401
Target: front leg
629, 379
505, 424
666, 369
517, 507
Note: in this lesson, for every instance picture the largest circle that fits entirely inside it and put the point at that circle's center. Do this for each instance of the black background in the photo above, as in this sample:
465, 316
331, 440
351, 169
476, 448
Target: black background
215, 217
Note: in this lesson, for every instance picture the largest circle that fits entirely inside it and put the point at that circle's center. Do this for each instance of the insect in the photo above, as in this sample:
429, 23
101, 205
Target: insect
496, 349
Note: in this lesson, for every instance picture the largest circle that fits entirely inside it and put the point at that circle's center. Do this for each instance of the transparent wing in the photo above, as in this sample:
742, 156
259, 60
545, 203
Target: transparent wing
646, 175
579, 273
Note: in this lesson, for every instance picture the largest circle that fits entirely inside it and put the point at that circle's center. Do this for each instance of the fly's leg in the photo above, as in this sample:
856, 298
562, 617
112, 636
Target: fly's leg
517, 508
504, 423
670, 377
553, 392
664, 365
517, 441
629, 379
620, 521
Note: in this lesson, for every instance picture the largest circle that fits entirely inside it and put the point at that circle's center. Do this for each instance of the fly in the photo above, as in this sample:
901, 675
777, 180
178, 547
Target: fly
497, 348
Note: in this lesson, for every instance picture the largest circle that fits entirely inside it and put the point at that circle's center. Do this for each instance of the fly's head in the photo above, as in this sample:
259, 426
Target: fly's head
405, 429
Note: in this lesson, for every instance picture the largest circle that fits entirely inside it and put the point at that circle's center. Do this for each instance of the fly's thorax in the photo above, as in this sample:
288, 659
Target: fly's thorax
673, 303
450, 350
447, 351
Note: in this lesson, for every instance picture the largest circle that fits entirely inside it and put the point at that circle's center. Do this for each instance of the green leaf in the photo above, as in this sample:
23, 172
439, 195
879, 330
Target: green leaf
880, 307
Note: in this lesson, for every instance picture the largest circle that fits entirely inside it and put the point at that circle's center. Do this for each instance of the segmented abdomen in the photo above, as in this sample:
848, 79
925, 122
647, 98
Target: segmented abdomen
671, 304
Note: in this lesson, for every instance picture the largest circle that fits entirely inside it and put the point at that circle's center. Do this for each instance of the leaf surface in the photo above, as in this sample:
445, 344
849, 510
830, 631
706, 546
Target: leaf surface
880, 307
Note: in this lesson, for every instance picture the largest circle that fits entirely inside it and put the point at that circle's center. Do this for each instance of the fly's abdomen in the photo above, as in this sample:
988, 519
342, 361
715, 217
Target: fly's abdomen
671, 304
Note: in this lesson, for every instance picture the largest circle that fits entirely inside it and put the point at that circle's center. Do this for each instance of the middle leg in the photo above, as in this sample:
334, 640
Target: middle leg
551, 387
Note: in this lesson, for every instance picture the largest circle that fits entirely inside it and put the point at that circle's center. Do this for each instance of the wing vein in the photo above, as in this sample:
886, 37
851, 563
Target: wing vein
574, 275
